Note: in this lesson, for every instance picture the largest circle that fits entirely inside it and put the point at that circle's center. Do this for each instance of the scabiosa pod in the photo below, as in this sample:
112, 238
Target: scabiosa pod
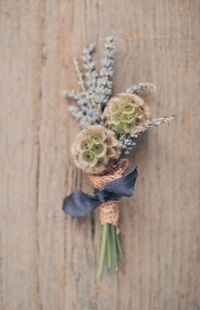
125, 112
95, 149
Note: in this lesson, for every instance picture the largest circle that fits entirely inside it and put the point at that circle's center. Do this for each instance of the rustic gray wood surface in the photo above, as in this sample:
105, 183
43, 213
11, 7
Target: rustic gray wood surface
47, 260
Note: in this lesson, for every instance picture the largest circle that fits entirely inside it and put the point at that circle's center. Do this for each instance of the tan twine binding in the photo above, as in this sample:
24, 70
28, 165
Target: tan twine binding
109, 211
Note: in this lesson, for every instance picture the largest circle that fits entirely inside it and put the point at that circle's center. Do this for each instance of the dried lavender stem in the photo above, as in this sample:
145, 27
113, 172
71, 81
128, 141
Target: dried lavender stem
81, 81
79, 74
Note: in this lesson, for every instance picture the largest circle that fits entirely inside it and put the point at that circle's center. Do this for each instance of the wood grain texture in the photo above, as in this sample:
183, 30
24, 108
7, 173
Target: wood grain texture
48, 260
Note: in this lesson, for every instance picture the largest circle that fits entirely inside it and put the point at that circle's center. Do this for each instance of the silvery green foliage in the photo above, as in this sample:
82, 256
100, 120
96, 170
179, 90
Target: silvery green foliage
128, 141
96, 85
155, 122
141, 89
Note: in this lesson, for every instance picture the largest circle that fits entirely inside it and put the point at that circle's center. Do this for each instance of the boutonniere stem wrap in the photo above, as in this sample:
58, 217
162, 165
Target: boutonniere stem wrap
110, 128
109, 188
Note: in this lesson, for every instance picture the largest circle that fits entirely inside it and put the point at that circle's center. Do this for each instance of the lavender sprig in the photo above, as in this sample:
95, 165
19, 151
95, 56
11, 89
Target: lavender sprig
91, 73
127, 143
105, 83
96, 86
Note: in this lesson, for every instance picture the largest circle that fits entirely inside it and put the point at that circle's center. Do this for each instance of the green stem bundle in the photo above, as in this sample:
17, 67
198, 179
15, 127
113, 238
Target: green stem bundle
111, 250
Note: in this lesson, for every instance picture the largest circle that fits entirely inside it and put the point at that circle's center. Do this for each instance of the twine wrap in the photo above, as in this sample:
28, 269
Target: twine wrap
109, 211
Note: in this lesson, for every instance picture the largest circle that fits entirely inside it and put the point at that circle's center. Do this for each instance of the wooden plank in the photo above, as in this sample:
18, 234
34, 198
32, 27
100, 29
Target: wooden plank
48, 260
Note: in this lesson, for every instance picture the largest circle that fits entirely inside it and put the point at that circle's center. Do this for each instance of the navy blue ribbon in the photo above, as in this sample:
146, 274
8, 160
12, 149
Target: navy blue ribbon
79, 204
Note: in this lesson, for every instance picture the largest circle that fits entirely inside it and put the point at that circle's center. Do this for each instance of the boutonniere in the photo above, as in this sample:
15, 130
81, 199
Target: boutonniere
110, 125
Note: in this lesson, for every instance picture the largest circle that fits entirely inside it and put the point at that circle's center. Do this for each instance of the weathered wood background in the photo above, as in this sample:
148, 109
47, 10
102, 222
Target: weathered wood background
48, 260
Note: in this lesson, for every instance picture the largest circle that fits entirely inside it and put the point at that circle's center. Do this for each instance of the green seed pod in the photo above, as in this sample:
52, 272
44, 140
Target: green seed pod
95, 149
125, 112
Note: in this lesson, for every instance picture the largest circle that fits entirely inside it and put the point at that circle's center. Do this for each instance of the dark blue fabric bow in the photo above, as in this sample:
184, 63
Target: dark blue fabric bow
79, 204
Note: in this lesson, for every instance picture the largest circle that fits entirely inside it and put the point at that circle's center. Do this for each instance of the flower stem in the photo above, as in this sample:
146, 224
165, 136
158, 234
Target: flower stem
111, 250
108, 250
103, 250
114, 249
119, 248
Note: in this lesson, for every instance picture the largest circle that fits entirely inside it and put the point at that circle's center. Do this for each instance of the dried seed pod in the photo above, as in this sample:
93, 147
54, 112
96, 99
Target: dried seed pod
125, 112
95, 149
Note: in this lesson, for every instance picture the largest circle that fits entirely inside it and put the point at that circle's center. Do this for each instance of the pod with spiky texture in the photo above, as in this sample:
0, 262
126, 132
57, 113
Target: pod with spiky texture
95, 149
125, 112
